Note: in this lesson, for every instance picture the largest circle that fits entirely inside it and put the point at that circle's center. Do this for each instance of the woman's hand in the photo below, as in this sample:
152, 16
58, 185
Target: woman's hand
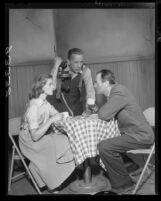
57, 61
54, 70
56, 117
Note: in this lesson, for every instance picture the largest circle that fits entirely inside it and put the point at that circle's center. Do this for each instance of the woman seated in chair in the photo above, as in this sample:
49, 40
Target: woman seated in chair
50, 154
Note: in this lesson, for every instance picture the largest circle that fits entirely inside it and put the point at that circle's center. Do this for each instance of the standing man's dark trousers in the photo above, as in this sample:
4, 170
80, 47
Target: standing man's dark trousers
110, 150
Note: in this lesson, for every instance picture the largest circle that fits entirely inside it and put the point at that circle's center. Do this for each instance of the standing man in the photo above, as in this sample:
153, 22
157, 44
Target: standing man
77, 92
136, 132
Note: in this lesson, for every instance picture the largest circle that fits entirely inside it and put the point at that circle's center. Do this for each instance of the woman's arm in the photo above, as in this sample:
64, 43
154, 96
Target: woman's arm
54, 70
36, 134
37, 130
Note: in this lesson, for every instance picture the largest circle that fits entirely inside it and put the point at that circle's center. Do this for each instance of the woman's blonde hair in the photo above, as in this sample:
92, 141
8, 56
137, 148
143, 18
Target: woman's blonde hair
37, 85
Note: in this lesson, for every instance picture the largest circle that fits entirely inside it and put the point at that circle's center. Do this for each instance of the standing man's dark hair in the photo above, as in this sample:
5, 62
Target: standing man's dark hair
74, 51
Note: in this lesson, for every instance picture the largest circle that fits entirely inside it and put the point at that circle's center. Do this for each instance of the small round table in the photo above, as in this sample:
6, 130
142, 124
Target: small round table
84, 134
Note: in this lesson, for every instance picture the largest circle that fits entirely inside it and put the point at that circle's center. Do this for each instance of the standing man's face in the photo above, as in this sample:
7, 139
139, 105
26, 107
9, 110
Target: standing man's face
75, 62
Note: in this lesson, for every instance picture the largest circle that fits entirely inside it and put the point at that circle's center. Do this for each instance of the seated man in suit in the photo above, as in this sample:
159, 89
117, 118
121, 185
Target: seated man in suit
136, 132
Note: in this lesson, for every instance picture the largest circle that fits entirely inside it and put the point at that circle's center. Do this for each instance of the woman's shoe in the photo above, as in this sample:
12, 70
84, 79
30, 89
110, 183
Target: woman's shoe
44, 188
55, 190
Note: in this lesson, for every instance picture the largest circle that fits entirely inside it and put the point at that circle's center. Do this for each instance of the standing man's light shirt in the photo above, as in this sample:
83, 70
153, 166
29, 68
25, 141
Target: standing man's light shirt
86, 75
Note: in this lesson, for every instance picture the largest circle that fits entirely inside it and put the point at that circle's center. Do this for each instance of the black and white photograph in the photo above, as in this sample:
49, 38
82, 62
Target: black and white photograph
80, 89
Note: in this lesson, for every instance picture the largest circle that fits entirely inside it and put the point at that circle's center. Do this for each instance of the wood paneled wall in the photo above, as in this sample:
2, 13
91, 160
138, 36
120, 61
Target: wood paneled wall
137, 74
21, 78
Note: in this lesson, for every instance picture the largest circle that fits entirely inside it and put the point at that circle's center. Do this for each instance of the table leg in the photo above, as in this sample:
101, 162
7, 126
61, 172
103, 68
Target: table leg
87, 172
89, 184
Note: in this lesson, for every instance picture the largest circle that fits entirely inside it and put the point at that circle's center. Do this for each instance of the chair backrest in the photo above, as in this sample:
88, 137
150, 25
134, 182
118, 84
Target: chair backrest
14, 125
149, 114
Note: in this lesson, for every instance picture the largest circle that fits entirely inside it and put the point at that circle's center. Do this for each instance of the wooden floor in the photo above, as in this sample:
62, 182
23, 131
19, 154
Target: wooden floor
24, 186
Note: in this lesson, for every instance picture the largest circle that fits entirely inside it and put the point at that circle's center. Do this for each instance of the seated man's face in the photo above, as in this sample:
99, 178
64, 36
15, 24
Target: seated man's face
76, 62
99, 85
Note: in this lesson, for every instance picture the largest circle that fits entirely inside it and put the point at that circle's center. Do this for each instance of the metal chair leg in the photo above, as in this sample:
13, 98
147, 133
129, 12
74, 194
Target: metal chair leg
35, 184
37, 188
11, 169
145, 167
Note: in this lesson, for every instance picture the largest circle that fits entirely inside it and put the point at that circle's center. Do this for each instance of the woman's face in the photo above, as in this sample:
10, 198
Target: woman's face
49, 87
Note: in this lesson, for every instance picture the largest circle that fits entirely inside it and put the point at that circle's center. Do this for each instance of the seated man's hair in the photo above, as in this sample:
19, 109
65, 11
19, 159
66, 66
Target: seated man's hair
107, 75
74, 51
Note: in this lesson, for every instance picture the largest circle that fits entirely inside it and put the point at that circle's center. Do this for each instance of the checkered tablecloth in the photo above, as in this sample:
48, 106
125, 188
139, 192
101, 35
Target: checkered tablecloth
85, 133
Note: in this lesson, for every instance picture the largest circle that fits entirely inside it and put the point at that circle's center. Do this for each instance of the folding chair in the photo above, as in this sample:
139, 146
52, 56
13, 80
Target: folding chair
150, 116
14, 128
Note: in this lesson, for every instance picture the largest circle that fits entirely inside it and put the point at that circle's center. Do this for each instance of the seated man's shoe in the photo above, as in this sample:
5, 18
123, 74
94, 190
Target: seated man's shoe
124, 189
136, 172
132, 167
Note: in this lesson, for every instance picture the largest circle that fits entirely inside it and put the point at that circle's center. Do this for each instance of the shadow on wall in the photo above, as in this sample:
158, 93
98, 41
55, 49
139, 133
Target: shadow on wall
32, 35
106, 32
